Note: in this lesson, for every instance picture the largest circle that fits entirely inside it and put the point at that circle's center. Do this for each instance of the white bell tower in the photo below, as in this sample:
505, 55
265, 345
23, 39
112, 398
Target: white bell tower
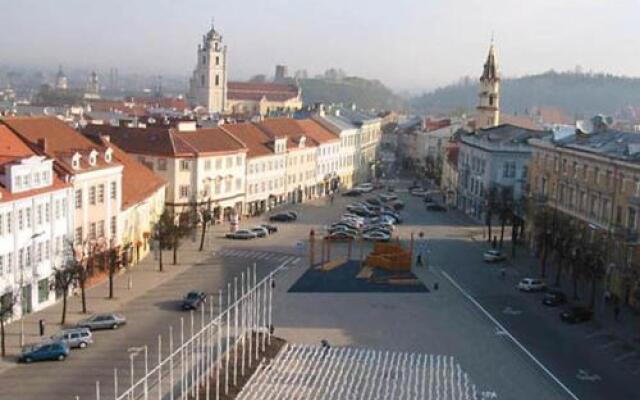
488, 114
208, 85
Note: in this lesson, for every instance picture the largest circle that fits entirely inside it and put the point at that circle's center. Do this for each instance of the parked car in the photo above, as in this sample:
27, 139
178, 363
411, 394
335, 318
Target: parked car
353, 217
103, 321
281, 217
242, 234
436, 207
339, 236
364, 187
260, 231
352, 193
45, 351
74, 337
428, 199
344, 224
554, 298
376, 236
193, 300
418, 192
293, 214
576, 315
373, 201
397, 204
270, 228
493, 256
532, 285
397, 219
387, 197
376, 229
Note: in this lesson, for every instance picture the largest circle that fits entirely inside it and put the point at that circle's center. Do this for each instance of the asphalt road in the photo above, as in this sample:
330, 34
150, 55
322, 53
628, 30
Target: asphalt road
148, 316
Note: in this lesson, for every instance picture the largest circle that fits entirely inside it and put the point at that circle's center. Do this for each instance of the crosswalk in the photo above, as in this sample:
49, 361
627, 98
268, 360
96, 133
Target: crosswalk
258, 255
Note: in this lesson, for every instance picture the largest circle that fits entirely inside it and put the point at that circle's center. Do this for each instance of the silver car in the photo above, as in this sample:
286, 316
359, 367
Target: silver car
75, 337
103, 321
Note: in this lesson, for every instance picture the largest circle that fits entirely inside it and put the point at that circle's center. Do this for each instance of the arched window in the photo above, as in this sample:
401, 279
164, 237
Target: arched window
202, 80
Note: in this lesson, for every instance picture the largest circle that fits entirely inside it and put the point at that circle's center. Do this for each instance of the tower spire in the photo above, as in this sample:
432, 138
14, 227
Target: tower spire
489, 93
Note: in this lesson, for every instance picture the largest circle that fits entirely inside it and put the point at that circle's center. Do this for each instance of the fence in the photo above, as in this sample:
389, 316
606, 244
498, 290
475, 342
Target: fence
215, 354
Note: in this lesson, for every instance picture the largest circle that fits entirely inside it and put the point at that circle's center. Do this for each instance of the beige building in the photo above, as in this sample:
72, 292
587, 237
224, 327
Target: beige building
245, 99
594, 179
200, 166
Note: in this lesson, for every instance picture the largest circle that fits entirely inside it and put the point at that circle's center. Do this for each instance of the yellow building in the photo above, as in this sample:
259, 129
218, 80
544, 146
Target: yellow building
593, 180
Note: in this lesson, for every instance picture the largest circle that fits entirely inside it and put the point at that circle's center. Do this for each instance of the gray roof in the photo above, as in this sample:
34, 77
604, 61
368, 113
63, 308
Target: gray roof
609, 143
337, 122
509, 134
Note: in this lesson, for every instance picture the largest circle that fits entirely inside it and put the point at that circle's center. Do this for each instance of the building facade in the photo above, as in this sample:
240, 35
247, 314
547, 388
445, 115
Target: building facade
36, 222
594, 180
208, 85
493, 163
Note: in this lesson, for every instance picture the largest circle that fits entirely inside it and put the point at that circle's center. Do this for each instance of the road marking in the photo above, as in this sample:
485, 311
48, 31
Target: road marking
609, 344
623, 357
602, 332
584, 375
510, 311
510, 336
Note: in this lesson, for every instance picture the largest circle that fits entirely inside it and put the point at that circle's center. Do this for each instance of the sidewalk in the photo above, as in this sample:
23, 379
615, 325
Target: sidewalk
144, 277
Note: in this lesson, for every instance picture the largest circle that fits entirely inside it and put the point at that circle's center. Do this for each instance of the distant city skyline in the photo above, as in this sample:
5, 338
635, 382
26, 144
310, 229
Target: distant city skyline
411, 46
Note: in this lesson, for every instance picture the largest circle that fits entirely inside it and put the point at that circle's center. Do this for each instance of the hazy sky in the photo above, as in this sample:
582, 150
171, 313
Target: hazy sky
408, 44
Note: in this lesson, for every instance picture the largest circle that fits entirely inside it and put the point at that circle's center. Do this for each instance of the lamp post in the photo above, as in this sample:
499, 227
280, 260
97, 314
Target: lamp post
29, 243
133, 352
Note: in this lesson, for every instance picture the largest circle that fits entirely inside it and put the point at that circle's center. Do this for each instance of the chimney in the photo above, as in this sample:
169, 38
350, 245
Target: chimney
42, 144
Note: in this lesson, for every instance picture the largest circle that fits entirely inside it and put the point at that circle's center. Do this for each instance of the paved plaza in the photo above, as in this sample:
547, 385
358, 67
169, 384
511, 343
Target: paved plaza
508, 344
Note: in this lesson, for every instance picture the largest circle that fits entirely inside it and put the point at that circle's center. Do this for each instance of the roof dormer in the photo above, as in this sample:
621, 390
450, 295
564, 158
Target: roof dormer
302, 141
108, 155
93, 156
75, 160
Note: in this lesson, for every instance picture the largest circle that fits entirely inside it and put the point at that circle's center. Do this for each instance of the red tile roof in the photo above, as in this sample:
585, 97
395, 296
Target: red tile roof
211, 140
255, 91
13, 149
317, 132
278, 127
62, 141
138, 181
258, 142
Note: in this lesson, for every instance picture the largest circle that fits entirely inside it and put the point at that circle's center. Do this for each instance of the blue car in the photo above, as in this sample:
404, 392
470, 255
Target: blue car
44, 352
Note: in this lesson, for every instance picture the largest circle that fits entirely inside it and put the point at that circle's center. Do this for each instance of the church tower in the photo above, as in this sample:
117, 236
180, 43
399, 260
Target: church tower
208, 86
488, 114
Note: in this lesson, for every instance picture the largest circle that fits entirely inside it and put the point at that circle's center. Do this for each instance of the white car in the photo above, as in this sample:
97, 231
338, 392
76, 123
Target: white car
418, 192
493, 256
376, 236
364, 188
241, 234
532, 285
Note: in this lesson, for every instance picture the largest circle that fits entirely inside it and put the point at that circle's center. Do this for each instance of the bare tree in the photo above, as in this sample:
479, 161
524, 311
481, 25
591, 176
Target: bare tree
7, 302
205, 216
64, 276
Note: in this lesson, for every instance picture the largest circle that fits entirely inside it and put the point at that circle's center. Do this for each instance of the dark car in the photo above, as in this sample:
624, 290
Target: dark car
281, 217
373, 201
193, 300
270, 228
397, 204
293, 214
352, 193
576, 315
554, 298
436, 207
340, 236
47, 351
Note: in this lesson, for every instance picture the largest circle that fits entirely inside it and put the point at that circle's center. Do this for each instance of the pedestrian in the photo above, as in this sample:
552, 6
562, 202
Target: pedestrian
616, 312
41, 325
331, 197
421, 250
436, 286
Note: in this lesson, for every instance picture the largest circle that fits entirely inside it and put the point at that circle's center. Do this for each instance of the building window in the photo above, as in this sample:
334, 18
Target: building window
92, 230
114, 190
207, 165
64, 207
162, 164
78, 235
238, 183
219, 164
217, 80
101, 193
238, 161
217, 188
227, 186
39, 250
217, 60
229, 162
1, 224
184, 191
100, 228
39, 214
184, 165
631, 218
202, 80
27, 216
92, 195
9, 222
43, 290
114, 226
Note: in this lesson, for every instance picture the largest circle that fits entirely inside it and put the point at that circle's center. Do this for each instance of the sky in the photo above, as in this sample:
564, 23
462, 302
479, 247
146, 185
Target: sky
409, 45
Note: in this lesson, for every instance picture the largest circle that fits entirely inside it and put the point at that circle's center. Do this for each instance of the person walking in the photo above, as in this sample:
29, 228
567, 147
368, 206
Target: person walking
421, 251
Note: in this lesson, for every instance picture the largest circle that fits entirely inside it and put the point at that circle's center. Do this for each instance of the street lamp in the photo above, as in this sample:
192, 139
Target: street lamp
133, 352
29, 243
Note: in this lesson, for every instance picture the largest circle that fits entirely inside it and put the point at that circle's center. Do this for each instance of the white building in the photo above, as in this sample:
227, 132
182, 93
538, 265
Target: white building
327, 156
208, 85
35, 225
493, 162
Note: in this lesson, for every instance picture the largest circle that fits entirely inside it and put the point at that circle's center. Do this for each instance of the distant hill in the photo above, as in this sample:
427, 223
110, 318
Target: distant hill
581, 95
367, 94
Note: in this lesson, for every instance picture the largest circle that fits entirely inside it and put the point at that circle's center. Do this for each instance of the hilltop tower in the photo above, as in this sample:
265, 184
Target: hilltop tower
208, 85
488, 114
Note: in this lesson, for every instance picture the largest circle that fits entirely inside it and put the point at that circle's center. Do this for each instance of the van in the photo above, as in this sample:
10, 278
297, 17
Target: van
75, 338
